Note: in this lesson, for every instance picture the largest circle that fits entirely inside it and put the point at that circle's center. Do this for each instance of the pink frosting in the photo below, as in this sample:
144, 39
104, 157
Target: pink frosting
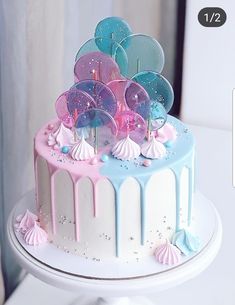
167, 254
166, 133
26, 221
35, 235
76, 169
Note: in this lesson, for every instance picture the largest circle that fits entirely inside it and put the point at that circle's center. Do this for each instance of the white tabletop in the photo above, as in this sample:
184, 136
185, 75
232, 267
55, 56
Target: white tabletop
215, 285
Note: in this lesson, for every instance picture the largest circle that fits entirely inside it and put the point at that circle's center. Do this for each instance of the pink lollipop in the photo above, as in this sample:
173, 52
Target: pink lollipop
118, 88
132, 124
131, 96
62, 110
78, 101
103, 65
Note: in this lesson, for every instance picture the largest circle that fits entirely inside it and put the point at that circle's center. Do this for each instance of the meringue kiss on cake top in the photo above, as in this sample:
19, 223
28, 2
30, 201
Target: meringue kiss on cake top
114, 172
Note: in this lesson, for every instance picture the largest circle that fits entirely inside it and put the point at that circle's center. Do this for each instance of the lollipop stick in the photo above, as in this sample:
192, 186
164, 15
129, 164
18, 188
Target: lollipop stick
96, 76
138, 65
148, 130
96, 140
111, 46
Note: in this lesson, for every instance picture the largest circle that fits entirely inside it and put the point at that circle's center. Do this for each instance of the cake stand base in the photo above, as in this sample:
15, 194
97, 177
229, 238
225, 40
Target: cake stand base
122, 288
112, 301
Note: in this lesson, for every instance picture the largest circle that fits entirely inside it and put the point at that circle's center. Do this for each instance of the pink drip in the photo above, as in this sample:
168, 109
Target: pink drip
36, 182
76, 210
53, 204
76, 173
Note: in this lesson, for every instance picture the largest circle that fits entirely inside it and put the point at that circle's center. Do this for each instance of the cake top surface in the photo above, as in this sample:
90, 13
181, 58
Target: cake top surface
113, 168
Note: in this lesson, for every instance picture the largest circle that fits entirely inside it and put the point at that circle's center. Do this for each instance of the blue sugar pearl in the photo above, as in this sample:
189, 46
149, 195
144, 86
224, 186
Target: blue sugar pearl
104, 158
65, 149
169, 144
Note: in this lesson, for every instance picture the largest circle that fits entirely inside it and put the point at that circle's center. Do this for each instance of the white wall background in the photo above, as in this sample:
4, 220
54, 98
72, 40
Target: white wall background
209, 67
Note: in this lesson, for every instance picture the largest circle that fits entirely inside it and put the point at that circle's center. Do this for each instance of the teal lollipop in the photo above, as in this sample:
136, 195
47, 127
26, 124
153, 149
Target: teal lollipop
143, 53
157, 87
115, 28
107, 46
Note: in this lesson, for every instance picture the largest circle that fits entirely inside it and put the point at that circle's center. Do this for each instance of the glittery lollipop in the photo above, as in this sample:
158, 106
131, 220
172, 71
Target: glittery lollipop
115, 28
131, 124
157, 86
78, 101
105, 106
62, 111
143, 53
98, 118
157, 117
107, 46
103, 65
101, 94
130, 96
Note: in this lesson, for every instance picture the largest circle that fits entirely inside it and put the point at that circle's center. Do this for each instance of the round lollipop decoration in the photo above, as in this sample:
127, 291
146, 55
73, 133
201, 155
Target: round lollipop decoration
97, 118
143, 53
131, 124
130, 96
157, 86
105, 67
107, 46
62, 111
115, 28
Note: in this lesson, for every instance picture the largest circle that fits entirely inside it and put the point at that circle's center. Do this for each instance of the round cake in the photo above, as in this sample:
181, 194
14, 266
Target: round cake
114, 172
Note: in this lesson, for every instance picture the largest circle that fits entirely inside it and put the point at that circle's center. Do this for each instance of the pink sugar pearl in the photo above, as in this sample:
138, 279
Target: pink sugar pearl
147, 163
56, 147
50, 126
94, 161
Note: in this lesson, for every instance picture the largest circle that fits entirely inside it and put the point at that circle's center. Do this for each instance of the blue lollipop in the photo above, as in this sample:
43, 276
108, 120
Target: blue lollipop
97, 118
143, 53
157, 87
112, 27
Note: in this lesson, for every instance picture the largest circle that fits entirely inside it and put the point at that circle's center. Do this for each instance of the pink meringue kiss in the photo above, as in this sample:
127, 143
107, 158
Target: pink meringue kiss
166, 133
35, 235
26, 221
167, 254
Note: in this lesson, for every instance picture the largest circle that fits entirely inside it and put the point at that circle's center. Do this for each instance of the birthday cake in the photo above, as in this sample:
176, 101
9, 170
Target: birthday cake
114, 172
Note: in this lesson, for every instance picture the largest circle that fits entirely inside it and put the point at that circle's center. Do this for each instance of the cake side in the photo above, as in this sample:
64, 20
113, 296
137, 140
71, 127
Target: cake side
114, 209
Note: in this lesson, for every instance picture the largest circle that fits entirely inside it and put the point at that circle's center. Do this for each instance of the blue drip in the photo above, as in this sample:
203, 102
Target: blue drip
143, 182
181, 156
191, 191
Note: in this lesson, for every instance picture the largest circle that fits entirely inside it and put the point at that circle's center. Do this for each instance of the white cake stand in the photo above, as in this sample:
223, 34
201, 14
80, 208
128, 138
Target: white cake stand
106, 284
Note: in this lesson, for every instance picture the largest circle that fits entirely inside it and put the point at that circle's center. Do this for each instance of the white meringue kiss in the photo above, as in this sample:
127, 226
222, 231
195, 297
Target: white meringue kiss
82, 150
63, 136
126, 149
35, 235
153, 149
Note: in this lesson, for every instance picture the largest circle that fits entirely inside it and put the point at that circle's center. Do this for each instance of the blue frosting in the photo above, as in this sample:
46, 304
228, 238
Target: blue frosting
179, 155
186, 242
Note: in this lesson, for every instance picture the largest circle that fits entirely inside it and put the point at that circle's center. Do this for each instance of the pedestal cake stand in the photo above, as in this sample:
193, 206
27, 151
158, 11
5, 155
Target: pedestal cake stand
119, 283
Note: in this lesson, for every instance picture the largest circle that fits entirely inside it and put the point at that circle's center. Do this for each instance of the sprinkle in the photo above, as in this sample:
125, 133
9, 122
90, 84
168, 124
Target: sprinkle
65, 149
50, 126
147, 163
94, 161
104, 158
